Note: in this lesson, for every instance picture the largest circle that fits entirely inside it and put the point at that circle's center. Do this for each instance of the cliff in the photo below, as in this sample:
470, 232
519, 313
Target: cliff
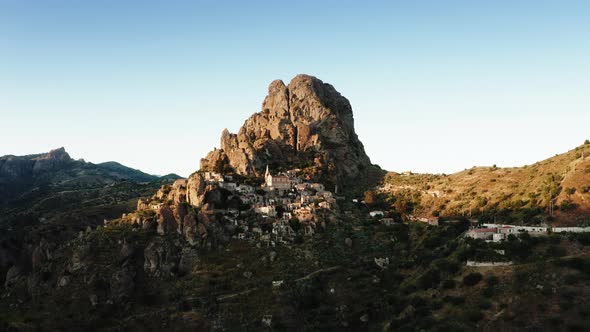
307, 124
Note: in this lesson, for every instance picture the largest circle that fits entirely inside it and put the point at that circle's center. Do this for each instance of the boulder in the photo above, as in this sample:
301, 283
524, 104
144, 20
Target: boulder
195, 192
166, 220
189, 229
12, 276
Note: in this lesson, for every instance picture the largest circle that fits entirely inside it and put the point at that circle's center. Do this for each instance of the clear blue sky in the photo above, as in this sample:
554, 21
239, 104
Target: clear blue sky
436, 86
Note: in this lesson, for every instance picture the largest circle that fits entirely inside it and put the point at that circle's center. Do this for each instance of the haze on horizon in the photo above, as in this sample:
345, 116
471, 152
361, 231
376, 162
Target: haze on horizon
435, 87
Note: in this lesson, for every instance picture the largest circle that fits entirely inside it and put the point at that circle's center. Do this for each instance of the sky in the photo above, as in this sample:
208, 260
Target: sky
435, 86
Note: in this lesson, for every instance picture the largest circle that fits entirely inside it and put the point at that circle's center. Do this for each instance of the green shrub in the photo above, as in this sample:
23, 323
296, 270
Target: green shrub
484, 304
454, 300
429, 279
436, 305
583, 238
472, 279
556, 251
448, 284
474, 315
491, 280
573, 278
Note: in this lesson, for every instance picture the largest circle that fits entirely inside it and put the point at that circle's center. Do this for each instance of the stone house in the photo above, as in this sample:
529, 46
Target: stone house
482, 233
278, 182
213, 177
304, 214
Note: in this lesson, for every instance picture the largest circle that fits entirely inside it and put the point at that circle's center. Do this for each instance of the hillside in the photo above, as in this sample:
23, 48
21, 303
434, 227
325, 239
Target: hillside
86, 247
525, 194
123, 172
22, 175
50, 197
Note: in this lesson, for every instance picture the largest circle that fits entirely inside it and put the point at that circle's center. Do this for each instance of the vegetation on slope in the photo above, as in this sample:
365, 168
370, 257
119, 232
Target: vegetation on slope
556, 190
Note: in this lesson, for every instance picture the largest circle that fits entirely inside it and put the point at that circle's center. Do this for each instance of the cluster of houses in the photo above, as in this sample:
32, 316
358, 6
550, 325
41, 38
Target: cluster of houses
280, 199
499, 232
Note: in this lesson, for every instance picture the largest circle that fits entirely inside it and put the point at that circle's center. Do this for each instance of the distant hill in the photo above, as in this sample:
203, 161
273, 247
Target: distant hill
553, 190
170, 176
121, 171
21, 174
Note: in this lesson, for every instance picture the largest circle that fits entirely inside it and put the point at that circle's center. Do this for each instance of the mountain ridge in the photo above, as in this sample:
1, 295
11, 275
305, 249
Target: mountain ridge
559, 183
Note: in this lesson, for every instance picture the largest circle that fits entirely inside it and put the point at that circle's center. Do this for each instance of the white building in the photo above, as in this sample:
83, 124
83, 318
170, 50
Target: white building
268, 210
280, 182
213, 177
374, 214
482, 233
571, 229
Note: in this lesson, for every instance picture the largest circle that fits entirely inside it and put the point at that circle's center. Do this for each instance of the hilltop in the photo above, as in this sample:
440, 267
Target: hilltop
554, 190
306, 124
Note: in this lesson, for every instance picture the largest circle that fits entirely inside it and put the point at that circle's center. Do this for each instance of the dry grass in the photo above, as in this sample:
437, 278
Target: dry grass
481, 188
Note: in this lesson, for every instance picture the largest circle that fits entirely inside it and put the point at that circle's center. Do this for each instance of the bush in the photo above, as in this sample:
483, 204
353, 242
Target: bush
429, 279
446, 265
454, 300
436, 305
472, 279
577, 263
448, 284
573, 278
570, 191
484, 304
491, 280
583, 239
567, 205
474, 315
488, 292
556, 251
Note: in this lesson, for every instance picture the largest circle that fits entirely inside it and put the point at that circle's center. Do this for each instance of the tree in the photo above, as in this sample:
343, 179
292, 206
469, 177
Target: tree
370, 198
570, 191
587, 142
472, 279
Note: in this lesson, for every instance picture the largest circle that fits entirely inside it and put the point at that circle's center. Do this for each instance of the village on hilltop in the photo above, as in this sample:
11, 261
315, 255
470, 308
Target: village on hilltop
282, 207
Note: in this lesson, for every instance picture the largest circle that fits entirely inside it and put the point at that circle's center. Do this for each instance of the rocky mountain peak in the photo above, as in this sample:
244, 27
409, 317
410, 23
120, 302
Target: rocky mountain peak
307, 124
56, 154
51, 160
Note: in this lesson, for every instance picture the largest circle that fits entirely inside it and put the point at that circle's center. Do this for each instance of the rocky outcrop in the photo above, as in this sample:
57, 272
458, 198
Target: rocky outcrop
161, 258
195, 190
166, 221
16, 169
305, 124
53, 159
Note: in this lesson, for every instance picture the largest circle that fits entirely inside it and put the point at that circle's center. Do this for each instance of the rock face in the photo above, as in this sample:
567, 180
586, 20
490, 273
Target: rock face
305, 124
15, 168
